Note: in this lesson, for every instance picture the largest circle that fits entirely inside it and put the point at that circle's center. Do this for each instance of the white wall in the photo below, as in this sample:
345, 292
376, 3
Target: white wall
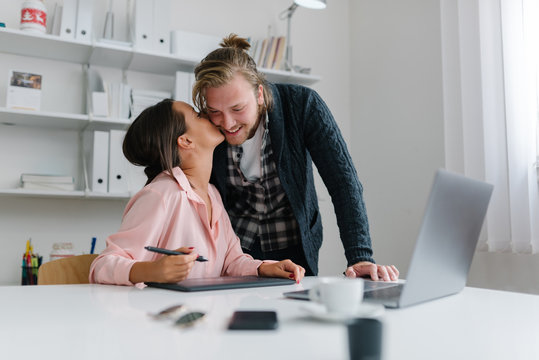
398, 139
396, 117
52, 220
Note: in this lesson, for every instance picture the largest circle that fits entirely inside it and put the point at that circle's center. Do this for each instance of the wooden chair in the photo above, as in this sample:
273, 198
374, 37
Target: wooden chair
71, 270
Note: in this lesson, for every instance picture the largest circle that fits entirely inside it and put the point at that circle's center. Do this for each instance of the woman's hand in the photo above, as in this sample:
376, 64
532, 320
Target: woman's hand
174, 268
167, 269
285, 269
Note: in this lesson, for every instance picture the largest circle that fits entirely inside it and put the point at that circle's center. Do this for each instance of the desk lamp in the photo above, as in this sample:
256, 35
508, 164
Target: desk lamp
287, 14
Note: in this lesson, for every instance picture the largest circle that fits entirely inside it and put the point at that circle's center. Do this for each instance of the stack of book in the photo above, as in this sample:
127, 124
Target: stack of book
47, 182
141, 99
269, 53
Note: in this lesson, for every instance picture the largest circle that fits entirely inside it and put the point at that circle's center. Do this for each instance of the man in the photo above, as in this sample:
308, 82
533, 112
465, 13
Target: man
264, 169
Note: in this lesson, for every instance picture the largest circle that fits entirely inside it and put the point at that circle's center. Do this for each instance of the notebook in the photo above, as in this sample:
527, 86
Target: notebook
444, 248
222, 283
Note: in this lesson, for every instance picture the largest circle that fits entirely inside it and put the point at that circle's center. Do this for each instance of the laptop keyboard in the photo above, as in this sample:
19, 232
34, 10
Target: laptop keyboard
391, 292
376, 290
371, 285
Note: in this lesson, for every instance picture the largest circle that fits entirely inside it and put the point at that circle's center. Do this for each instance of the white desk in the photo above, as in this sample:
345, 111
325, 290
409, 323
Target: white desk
112, 322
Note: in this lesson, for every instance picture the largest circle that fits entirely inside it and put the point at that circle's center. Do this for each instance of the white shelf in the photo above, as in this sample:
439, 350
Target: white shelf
162, 64
43, 119
99, 53
60, 120
104, 54
103, 123
108, 196
44, 46
111, 55
281, 76
42, 193
77, 194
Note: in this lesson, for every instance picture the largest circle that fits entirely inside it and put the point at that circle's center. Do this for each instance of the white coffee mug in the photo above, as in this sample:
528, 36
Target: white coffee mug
338, 295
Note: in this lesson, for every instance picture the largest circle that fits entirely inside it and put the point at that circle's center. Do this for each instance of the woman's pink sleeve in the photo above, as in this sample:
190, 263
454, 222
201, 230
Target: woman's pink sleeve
142, 225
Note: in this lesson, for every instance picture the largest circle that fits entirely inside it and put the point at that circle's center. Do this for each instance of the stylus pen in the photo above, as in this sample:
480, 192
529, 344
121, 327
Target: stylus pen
171, 252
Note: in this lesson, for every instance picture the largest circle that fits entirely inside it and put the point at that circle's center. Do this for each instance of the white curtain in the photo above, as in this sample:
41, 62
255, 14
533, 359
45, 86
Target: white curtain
490, 57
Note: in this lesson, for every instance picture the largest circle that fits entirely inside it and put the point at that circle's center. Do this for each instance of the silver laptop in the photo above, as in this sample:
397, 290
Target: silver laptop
445, 246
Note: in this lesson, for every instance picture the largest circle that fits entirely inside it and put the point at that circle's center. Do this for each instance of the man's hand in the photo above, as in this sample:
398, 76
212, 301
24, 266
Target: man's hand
373, 271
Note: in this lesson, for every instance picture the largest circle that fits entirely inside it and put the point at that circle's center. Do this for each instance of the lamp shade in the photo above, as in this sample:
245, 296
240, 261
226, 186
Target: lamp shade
312, 4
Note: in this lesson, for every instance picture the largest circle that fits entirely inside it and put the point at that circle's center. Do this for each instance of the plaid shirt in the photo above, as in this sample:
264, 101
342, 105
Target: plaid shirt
262, 210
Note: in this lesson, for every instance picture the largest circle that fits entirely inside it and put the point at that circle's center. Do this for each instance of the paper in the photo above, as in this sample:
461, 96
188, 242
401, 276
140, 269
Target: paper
24, 91
100, 104
94, 84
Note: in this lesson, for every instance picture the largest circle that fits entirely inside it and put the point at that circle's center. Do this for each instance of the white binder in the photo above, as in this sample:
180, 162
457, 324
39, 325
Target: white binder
100, 104
96, 156
161, 26
94, 83
142, 25
118, 164
68, 25
191, 45
57, 20
85, 12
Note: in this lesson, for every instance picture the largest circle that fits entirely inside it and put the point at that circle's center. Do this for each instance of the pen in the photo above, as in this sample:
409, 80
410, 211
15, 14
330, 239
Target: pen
171, 252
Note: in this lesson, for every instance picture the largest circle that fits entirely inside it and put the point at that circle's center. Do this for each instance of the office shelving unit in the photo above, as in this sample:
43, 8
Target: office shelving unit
98, 54
122, 57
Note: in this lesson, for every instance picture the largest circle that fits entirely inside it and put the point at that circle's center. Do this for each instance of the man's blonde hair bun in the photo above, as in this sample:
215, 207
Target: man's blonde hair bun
234, 41
221, 65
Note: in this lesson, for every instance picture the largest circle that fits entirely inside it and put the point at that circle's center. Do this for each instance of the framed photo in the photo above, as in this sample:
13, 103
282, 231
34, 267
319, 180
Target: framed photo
24, 91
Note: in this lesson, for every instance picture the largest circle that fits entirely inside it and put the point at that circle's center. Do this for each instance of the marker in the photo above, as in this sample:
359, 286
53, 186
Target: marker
93, 245
171, 252
24, 280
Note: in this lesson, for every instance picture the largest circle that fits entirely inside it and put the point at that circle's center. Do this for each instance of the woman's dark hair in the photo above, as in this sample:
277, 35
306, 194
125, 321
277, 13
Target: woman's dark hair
151, 140
220, 66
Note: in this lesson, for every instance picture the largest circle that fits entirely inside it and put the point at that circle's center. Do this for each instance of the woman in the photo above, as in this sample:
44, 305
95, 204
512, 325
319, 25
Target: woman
177, 209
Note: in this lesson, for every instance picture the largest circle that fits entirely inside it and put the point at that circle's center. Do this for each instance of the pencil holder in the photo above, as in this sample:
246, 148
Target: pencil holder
29, 275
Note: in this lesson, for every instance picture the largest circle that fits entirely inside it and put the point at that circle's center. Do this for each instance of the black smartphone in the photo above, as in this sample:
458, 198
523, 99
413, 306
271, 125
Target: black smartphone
253, 320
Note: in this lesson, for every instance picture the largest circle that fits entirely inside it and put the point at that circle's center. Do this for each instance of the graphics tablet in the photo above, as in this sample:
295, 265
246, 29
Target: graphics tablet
222, 283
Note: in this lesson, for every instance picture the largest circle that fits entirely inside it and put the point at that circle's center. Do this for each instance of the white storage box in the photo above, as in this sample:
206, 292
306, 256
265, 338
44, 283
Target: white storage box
192, 46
